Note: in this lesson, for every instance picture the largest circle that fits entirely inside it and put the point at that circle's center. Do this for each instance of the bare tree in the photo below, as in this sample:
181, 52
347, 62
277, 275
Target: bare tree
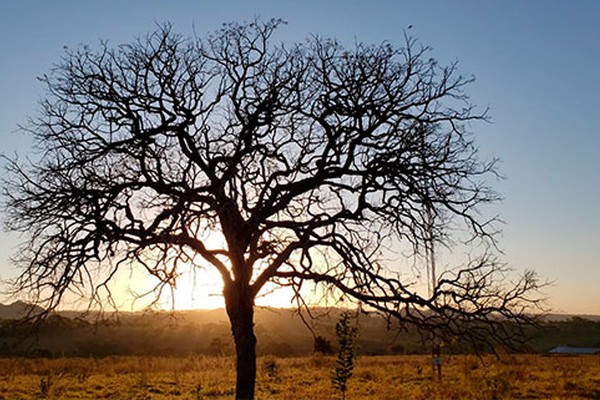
305, 160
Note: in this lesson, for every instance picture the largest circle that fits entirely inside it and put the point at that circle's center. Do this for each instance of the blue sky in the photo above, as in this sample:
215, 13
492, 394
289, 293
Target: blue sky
537, 65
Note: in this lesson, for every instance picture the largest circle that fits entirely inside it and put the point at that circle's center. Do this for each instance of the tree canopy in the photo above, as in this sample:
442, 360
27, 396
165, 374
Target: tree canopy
267, 162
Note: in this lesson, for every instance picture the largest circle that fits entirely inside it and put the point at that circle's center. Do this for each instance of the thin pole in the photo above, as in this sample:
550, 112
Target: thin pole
436, 350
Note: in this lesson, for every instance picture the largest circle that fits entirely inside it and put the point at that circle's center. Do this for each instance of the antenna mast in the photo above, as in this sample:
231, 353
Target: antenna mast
436, 351
430, 252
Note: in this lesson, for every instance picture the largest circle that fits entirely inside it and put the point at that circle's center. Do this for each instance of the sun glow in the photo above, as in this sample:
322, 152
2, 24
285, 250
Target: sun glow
204, 289
196, 287
197, 284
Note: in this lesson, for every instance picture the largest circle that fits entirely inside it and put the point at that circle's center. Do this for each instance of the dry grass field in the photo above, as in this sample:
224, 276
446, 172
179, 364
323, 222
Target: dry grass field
382, 377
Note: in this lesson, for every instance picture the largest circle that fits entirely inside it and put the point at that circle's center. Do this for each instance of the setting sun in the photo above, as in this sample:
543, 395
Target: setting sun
204, 290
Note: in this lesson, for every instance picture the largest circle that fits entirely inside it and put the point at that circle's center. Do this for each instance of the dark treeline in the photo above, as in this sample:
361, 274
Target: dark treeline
279, 332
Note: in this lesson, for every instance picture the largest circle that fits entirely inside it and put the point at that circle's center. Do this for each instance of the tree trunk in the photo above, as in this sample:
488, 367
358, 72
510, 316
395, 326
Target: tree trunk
240, 309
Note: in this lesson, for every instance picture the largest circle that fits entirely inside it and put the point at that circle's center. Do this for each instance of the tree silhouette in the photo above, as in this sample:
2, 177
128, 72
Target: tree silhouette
303, 161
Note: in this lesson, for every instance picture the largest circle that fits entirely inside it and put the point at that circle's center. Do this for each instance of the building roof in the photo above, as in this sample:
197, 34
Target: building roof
575, 350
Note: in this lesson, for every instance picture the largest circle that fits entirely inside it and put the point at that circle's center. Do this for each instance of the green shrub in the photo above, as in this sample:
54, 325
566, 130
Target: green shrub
346, 334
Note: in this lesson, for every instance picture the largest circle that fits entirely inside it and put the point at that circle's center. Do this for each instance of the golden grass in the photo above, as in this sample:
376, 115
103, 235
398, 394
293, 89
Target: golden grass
382, 377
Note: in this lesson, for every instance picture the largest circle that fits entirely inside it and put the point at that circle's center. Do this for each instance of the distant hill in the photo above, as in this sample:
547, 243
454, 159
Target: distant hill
280, 332
18, 310
565, 317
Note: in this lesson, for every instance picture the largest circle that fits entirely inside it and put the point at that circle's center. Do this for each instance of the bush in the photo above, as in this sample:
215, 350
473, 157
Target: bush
322, 345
